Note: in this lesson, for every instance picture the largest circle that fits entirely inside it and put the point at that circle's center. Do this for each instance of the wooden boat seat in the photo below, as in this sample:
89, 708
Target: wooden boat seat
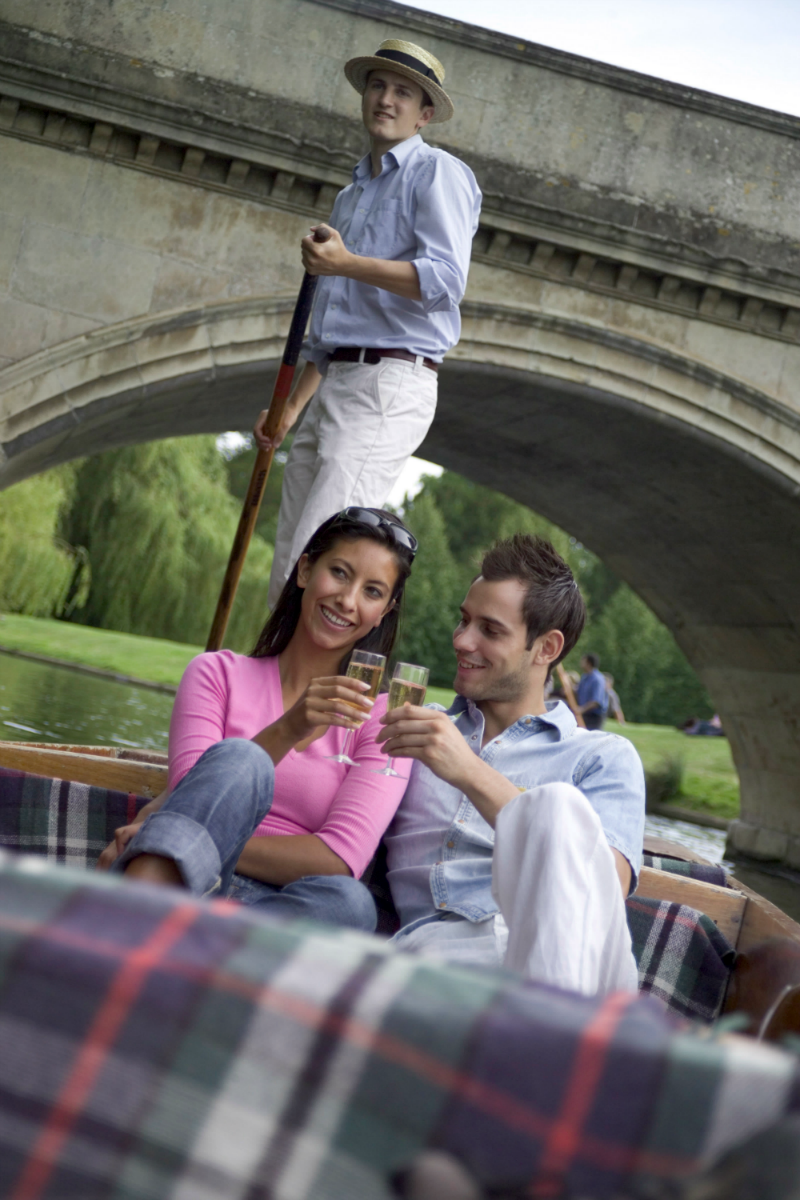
141, 772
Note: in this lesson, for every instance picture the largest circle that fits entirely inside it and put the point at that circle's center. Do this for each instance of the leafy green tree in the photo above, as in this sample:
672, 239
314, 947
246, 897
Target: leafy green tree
36, 565
433, 595
158, 523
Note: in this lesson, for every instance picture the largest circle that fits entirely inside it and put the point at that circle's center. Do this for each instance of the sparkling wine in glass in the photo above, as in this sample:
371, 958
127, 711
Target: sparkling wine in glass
369, 669
408, 686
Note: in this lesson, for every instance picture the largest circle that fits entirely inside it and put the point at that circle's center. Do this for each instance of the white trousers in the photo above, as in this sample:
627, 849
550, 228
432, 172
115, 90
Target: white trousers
361, 427
563, 914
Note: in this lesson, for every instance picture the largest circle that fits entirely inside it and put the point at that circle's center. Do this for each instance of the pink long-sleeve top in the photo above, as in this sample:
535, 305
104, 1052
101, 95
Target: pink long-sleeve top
225, 695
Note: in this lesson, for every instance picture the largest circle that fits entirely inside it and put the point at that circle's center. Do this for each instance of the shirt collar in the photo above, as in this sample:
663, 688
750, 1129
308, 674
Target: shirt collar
402, 151
558, 715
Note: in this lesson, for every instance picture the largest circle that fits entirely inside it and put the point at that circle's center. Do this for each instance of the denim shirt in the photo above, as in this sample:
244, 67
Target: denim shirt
422, 208
440, 847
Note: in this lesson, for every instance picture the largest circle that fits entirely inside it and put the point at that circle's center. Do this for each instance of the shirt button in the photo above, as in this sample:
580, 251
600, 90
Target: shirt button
333, 306
450, 845
328, 336
442, 904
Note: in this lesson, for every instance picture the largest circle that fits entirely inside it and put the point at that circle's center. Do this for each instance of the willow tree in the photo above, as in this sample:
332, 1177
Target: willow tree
158, 522
37, 566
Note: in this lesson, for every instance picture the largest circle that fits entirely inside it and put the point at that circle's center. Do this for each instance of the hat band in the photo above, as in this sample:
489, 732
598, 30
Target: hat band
408, 60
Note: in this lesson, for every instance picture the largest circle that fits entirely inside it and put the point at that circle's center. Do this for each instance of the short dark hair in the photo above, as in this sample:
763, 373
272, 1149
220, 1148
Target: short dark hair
279, 629
552, 599
426, 100
593, 660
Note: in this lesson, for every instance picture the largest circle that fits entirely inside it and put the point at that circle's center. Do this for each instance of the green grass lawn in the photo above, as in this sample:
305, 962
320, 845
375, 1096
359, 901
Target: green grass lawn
154, 659
710, 783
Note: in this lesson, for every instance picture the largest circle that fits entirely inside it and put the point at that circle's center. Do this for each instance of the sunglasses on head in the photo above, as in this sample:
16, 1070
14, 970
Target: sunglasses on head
366, 516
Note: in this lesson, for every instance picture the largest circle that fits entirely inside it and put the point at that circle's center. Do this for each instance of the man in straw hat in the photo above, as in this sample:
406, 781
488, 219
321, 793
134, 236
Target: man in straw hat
386, 312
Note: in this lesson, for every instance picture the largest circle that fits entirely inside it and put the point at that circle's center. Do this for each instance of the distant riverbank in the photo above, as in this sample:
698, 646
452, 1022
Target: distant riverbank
709, 786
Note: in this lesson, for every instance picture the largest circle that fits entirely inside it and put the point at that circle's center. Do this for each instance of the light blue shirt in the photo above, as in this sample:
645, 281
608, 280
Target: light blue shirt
422, 208
440, 847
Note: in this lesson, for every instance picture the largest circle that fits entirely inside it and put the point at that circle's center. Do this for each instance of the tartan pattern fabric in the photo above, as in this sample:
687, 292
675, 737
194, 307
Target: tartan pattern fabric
66, 822
683, 958
704, 872
155, 1047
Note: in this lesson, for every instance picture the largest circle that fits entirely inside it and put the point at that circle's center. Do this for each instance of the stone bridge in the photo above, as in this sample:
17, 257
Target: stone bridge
630, 363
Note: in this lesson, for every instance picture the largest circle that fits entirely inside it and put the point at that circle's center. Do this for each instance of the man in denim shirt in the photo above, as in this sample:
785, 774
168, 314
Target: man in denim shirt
520, 835
393, 273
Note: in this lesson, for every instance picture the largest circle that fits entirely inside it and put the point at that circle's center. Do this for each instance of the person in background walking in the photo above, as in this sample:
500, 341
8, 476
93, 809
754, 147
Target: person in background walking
592, 696
614, 706
386, 312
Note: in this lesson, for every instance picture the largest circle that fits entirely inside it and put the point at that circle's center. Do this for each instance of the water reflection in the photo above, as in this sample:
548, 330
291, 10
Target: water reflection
41, 703
708, 842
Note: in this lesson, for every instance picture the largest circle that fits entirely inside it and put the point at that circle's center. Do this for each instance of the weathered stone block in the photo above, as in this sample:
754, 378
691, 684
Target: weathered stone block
95, 277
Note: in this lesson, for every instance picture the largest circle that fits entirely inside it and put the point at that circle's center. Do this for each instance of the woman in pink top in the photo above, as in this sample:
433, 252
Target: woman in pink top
257, 808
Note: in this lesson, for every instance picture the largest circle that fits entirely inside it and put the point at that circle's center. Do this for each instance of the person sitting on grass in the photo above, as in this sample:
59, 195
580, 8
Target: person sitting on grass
257, 809
520, 835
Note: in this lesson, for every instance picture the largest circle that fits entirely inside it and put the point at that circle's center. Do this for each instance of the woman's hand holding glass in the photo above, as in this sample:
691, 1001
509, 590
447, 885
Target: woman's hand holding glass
367, 670
333, 700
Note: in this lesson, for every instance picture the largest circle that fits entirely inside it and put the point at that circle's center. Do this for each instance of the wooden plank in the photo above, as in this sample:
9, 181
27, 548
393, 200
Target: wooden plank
144, 779
134, 753
725, 906
67, 748
763, 921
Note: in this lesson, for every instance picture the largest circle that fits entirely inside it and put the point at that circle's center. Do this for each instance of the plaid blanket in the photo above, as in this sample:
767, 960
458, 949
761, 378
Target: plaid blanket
683, 958
66, 822
705, 872
155, 1046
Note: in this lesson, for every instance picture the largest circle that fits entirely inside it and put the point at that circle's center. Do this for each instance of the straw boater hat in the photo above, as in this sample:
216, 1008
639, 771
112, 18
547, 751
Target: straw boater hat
406, 59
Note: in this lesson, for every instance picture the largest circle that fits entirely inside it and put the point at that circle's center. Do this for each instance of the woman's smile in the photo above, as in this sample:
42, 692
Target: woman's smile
334, 618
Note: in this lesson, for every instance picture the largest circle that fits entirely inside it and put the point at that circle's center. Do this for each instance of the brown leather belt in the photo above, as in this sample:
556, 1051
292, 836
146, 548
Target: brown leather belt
373, 357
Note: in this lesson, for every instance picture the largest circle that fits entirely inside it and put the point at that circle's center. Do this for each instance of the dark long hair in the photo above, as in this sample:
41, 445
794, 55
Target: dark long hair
279, 629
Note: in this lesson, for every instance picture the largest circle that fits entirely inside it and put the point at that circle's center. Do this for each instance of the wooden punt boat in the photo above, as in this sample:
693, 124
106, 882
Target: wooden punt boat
764, 984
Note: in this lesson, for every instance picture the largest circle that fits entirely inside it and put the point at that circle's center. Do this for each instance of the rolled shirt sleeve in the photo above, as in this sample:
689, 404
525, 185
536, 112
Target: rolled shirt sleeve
448, 205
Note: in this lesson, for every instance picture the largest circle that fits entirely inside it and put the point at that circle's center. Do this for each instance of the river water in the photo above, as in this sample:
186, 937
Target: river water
40, 703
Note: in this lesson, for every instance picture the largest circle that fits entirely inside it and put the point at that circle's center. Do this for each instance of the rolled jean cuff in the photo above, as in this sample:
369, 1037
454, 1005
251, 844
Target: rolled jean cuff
176, 836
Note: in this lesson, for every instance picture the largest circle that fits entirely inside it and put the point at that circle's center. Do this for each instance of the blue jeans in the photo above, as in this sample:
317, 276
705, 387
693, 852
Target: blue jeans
203, 828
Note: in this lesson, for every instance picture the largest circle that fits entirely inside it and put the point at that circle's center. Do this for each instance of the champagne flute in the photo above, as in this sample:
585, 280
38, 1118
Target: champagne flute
408, 686
369, 669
